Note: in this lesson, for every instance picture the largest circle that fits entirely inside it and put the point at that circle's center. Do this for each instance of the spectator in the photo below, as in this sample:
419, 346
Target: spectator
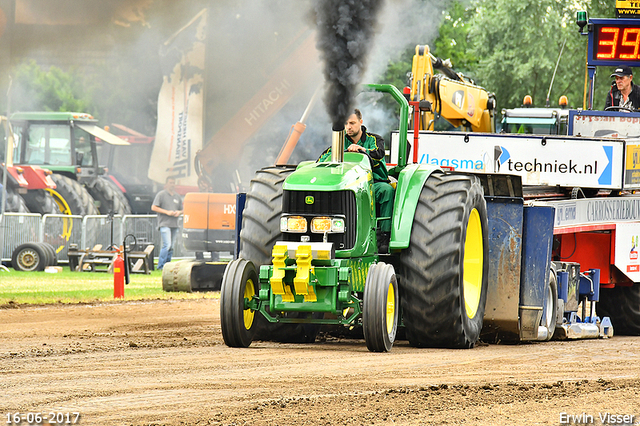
168, 205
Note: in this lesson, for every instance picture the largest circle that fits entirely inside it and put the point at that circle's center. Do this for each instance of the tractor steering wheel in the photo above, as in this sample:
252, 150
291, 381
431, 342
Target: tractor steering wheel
619, 108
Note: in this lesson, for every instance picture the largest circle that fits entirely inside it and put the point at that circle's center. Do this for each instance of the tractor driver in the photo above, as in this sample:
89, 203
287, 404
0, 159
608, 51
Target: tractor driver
623, 93
359, 140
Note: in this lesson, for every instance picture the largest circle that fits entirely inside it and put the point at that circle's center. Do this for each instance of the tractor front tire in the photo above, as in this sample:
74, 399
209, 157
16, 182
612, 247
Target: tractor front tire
260, 231
380, 308
443, 280
239, 285
622, 305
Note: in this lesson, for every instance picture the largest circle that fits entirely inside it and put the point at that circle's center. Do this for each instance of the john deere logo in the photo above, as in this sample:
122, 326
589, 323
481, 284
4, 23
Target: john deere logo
308, 199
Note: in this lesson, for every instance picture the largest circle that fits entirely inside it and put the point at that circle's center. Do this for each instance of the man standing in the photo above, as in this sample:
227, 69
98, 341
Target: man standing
359, 140
168, 205
623, 93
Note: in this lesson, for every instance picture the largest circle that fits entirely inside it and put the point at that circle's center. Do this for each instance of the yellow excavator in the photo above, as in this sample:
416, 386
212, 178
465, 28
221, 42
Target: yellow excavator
449, 95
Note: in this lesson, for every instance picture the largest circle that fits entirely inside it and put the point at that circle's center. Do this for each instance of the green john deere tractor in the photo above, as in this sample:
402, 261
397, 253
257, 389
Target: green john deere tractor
309, 256
65, 143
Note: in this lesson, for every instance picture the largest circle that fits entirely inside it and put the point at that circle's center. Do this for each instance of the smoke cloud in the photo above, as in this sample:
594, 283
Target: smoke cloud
404, 24
116, 43
345, 33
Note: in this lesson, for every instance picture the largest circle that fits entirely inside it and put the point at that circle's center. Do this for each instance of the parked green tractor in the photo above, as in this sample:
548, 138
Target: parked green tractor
309, 255
65, 143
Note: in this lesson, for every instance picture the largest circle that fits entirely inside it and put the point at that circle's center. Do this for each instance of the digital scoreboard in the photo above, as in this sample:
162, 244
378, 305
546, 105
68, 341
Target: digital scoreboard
614, 42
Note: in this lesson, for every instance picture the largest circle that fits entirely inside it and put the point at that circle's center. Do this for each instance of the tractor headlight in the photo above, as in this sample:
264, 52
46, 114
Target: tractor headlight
337, 225
322, 225
293, 224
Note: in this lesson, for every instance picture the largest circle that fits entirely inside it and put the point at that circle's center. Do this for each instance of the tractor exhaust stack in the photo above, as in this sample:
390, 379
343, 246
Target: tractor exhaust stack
337, 144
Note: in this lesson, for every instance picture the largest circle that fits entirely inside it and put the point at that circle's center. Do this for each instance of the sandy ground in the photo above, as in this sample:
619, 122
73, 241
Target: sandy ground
164, 363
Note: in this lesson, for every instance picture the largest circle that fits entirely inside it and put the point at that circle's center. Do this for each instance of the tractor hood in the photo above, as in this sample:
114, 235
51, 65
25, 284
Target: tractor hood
353, 173
98, 132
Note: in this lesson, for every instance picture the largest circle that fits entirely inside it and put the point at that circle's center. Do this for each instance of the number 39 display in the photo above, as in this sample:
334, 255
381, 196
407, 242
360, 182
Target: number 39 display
614, 41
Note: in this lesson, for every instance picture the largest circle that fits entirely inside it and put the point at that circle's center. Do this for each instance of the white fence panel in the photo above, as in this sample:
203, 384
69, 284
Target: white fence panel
103, 230
85, 232
60, 230
19, 228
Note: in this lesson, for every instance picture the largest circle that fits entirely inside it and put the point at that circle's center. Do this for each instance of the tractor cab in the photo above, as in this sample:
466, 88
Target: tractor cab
64, 142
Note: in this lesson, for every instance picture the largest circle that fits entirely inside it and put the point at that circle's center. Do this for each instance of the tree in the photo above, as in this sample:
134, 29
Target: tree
512, 42
36, 89
452, 42
518, 43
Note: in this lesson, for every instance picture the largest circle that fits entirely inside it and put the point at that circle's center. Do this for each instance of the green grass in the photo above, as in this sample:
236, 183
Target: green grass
40, 288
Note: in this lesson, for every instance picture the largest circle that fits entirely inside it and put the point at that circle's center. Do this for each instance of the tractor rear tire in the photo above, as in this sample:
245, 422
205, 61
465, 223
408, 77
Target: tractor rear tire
261, 215
15, 203
29, 257
380, 308
239, 285
41, 201
72, 197
120, 195
622, 305
260, 231
109, 197
443, 279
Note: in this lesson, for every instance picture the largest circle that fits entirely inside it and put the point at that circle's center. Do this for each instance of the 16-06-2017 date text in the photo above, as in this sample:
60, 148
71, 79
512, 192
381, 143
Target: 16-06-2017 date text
35, 418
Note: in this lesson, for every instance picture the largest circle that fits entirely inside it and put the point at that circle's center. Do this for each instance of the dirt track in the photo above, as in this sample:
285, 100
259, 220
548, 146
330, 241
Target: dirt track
164, 363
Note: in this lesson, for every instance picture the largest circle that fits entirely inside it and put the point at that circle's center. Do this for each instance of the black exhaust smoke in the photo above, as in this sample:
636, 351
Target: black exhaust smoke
345, 33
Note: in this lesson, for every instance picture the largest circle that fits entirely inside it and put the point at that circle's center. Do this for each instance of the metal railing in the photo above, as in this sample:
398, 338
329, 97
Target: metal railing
20, 228
85, 232
59, 231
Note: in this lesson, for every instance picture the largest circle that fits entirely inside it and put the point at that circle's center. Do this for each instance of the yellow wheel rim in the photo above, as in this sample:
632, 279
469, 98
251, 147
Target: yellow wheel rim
391, 308
60, 201
67, 224
472, 265
248, 314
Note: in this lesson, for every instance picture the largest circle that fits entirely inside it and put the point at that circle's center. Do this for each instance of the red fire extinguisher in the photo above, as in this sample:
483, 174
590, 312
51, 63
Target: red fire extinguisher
118, 276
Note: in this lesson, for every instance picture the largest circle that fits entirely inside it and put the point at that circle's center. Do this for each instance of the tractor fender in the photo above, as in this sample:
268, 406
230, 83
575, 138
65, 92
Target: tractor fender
410, 182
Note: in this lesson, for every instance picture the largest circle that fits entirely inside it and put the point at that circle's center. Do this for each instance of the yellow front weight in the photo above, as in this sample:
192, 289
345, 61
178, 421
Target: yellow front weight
280, 256
303, 277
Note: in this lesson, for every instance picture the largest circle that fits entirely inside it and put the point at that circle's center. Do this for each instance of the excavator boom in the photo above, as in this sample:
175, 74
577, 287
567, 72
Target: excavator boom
449, 95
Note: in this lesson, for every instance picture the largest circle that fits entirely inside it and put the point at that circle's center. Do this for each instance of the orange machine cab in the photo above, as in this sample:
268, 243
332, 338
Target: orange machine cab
209, 222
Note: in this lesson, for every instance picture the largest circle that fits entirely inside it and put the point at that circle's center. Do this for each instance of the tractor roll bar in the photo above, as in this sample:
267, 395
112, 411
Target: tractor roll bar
404, 117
